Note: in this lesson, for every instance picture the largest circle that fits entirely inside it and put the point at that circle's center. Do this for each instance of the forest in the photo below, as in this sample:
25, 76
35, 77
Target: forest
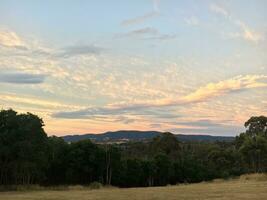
29, 156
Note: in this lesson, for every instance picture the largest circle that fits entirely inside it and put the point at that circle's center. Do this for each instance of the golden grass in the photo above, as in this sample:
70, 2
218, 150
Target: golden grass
256, 177
246, 187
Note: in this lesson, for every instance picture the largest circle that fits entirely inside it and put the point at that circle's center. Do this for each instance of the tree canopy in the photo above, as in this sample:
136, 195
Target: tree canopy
29, 156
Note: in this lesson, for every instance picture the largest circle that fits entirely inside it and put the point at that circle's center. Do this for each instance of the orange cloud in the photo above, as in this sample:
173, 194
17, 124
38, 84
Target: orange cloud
202, 94
223, 87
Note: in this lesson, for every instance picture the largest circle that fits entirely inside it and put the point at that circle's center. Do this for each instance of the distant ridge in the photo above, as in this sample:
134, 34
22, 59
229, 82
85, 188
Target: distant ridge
132, 135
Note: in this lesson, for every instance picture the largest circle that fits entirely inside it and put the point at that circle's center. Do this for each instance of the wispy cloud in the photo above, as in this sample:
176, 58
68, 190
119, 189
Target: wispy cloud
125, 120
223, 87
249, 34
76, 50
34, 102
192, 21
219, 9
11, 39
246, 32
202, 94
21, 78
155, 125
205, 126
139, 32
142, 18
162, 37
147, 33
108, 110
201, 123
221, 130
19, 46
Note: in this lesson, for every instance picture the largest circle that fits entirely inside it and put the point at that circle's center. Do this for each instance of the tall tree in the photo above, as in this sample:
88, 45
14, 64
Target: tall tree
253, 144
23, 145
256, 126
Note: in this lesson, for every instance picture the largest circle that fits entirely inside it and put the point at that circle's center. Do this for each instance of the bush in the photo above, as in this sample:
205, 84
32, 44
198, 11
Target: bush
95, 185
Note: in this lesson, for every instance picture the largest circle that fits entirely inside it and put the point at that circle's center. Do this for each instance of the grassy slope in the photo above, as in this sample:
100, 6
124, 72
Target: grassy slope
247, 187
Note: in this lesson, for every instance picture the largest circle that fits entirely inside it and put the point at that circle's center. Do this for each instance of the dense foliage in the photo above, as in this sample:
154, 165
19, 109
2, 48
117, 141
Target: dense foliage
28, 156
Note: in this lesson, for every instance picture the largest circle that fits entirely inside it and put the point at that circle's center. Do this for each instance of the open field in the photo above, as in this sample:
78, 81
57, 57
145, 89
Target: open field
247, 187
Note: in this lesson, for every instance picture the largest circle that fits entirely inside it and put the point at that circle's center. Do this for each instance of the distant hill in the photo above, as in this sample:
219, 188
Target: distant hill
124, 136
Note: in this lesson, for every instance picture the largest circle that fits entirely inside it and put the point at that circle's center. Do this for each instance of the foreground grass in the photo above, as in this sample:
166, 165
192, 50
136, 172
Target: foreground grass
247, 187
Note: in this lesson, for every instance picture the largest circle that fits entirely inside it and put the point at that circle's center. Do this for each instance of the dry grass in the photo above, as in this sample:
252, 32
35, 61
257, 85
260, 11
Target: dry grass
255, 177
246, 187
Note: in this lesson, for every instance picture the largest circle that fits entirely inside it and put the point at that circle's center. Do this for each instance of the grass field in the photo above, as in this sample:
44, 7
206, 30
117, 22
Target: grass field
253, 187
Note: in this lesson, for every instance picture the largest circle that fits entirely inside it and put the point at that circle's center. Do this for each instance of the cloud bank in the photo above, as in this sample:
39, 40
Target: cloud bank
202, 94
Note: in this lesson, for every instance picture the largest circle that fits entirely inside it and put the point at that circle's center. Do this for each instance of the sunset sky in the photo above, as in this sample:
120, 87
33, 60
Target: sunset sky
191, 67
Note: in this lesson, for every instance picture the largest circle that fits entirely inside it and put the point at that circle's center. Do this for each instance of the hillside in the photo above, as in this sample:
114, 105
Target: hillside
246, 187
131, 135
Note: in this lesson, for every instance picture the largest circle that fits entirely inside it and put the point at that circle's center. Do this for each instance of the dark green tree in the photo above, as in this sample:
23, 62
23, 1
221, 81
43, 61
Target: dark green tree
86, 163
253, 144
256, 126
23, 148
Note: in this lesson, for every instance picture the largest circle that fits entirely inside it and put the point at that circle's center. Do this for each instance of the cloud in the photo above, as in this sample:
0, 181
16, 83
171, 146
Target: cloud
139, 32
202, 94
77, 50
203, 126
125, 120
140, 19
155, 125
162, 37
96, 111
21, 78
147, 33
245, 33
192, 21
14, 45
221, 130
223, 87
33, 102
33, 48
156, 5
219, 10
11, 39
201, 123
248, 34
79, 114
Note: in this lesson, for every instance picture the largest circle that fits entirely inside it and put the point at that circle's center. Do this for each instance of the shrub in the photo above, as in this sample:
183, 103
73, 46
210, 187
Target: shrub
95, 185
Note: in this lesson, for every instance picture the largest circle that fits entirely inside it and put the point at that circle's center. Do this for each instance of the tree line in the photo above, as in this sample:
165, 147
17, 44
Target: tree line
29, 156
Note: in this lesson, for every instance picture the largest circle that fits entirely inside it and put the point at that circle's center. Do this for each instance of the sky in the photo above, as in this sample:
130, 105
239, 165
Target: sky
188, 66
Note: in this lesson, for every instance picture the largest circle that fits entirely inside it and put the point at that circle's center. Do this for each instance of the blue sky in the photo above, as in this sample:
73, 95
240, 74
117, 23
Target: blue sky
192, 67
